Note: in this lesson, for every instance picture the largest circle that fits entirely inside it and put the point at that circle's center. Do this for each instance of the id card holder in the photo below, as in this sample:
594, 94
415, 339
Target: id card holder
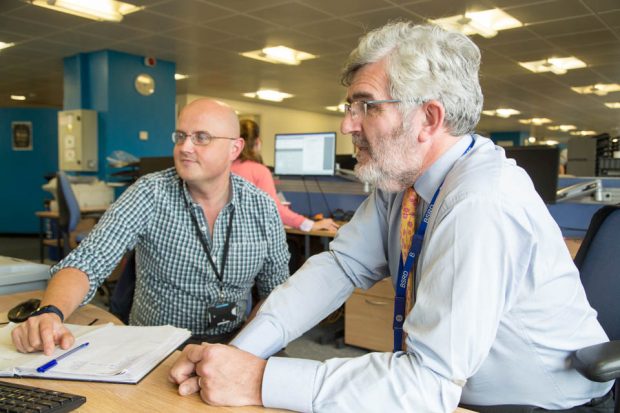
221, 314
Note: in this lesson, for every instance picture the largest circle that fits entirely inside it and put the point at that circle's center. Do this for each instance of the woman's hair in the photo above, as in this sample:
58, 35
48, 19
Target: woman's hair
425, 63
249, 131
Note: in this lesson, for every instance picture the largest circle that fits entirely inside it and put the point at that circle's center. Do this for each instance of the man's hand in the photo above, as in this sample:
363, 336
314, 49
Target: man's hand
43, 332
225, 375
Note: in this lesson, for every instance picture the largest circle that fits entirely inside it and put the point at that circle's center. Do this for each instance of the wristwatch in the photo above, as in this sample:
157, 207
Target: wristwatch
49, 309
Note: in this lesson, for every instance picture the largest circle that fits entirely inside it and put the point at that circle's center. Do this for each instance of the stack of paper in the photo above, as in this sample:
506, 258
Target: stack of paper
119, 354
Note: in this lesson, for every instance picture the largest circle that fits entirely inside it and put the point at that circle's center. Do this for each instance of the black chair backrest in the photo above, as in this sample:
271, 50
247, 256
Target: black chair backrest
598, 261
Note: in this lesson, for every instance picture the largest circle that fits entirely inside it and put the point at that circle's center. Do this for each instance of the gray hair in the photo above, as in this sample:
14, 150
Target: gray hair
425, 63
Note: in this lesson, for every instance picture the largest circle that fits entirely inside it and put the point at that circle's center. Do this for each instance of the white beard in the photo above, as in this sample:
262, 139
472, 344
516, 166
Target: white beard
392, 165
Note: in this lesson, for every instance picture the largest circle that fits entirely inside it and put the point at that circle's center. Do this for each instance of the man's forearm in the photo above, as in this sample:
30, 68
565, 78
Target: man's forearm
66, 290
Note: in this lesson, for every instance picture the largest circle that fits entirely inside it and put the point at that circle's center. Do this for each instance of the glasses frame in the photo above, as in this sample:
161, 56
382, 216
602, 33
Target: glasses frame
365, 103
193, 137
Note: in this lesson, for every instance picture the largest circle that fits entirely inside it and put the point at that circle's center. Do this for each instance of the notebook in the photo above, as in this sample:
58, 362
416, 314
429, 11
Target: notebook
117, 354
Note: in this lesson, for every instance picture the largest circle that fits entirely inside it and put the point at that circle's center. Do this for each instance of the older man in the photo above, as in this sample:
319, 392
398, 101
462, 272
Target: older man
202, 238
498, 301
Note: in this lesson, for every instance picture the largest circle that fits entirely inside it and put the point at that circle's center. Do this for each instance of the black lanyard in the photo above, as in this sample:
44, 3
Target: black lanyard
219, 274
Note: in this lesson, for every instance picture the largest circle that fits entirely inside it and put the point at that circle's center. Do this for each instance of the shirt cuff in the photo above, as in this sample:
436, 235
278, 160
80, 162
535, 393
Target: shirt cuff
306, 226
260, 337
288, 383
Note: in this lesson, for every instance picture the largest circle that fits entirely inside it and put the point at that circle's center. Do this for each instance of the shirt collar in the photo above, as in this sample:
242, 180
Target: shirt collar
236, 194
427, 184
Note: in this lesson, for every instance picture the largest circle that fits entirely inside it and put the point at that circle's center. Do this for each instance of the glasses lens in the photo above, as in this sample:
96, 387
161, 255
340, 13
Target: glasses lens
201, 138
178, 137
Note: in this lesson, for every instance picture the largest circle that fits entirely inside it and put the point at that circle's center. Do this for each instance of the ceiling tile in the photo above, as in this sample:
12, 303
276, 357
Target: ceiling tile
198, 34
241, 25
78, 40
111, 31
611, 18
346, 7
548, 11
245, 6
47, 16
152, 22
25, 28
378, 18
190, 11
290, 14
566, 26
602, 5
583, 39
331, 29
434, 9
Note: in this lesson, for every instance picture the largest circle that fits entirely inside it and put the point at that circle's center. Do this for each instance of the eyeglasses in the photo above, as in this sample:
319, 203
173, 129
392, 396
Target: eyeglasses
359, 108
199, 138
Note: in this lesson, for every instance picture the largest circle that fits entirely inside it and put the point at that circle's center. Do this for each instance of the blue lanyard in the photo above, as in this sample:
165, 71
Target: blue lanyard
404, 268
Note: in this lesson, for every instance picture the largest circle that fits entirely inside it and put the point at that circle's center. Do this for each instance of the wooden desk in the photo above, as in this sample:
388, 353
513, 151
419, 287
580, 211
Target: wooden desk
54, 215
325, 236
153, 394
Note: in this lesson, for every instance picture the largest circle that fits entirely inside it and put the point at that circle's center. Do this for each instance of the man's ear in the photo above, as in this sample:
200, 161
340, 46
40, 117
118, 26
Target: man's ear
236, 148
434, 114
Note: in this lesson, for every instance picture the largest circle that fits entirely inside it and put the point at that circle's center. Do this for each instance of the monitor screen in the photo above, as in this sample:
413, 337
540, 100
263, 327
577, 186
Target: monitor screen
305, 153
541, 163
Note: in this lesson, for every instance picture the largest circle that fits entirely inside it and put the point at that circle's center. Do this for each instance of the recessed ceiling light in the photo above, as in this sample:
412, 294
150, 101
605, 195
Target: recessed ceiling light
535, 121
485, 23
563, 128
531, 139
600, 89
18, 97
501, 112
100, 10
179, 76
267, 94
339, 108
583, 133
279, 54
556, 65
4, 45
613, 105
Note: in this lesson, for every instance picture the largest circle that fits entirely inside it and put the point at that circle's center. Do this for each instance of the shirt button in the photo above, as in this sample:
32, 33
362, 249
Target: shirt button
203, 229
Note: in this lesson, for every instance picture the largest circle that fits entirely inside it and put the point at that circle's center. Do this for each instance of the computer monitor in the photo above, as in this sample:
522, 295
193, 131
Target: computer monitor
305, 153
541, 163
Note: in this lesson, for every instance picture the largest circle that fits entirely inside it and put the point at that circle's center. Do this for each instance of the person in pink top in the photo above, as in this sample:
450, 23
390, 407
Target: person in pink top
250, 167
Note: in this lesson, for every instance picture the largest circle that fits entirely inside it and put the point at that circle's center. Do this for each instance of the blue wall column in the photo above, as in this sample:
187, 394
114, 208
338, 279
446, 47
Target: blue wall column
517, 138
104, 81
22, 172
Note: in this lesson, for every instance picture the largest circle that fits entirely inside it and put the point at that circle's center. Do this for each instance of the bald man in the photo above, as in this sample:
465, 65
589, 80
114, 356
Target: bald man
201, 235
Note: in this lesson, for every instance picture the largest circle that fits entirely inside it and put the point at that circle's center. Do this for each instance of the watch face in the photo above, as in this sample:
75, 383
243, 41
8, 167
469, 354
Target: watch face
145, 84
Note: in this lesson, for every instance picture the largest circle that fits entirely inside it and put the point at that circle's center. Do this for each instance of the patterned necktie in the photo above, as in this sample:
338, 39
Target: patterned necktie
407, 227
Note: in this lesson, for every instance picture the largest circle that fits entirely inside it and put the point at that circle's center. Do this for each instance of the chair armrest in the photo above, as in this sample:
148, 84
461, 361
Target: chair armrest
600, 362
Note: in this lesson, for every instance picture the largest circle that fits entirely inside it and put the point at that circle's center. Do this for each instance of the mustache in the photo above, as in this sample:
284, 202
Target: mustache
359, 140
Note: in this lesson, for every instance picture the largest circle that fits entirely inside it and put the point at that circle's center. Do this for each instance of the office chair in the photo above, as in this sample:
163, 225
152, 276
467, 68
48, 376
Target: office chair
597, 260
68, 212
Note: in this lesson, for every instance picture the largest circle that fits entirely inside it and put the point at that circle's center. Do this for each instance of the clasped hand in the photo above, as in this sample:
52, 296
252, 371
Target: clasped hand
224, 375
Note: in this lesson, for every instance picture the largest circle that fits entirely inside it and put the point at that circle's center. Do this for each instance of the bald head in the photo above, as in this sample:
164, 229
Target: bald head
216, 117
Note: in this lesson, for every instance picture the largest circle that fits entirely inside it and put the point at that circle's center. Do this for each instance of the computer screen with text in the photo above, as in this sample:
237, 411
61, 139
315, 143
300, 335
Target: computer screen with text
305, 153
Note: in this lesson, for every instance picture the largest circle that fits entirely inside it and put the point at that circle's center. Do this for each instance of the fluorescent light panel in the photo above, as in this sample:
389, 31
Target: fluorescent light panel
268, 94
556, 65
613, 105
100, 10
600, 89
4, 45
18, 97
179, 76
339, 108
535, 121
563, 128
279, 55
501, 112
485, 23
583, 133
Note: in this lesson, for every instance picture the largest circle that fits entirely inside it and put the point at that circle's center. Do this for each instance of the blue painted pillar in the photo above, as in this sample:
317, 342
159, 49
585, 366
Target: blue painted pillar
104, 81
517, 138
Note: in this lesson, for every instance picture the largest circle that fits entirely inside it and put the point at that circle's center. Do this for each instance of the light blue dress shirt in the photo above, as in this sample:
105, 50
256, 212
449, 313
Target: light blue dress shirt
499, 302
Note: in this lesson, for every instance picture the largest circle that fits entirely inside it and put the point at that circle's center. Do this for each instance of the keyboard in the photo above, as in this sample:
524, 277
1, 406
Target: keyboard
18, 398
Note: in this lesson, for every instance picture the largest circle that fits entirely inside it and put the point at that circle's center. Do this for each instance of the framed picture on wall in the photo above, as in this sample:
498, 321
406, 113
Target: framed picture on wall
21, 136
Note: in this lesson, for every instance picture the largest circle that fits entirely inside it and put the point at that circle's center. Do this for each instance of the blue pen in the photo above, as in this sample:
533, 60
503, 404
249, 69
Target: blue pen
55, 361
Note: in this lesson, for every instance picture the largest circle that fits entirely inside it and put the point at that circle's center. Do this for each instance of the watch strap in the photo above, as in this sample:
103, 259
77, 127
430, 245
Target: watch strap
49, 309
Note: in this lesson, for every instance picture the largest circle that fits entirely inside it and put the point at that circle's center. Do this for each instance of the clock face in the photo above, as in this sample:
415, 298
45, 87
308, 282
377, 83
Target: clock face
145, 84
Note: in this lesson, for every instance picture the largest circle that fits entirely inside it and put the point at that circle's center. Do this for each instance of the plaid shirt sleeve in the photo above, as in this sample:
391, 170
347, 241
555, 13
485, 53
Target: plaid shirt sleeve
116, 233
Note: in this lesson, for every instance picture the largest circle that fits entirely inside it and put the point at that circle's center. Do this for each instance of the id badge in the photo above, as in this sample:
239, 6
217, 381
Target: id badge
221, 314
